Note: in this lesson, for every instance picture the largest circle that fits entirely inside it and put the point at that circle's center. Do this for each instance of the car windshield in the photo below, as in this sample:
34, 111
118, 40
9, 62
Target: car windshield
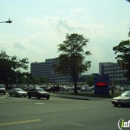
40, 89
127, 94
18, 89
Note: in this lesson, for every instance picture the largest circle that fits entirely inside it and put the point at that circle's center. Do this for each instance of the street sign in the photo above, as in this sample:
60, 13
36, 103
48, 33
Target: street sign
101, 85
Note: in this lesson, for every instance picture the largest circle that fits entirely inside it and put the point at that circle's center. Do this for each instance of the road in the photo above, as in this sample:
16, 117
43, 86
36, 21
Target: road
20, 113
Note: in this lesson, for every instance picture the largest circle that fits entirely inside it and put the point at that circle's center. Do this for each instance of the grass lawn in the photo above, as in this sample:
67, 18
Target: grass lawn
91, 94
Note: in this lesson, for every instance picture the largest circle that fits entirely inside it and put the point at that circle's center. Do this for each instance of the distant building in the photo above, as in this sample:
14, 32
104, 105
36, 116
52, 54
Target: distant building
116, 74
46, 69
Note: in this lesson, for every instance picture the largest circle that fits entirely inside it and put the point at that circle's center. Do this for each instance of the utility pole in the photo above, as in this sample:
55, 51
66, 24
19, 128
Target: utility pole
129, 33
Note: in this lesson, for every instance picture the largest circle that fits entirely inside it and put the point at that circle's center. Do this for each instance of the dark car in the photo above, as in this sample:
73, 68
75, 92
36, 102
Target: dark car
53, 89
2, 89
17, 92
123, 99
38, 92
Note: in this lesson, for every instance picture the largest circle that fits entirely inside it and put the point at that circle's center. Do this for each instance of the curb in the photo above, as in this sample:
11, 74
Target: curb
76, 97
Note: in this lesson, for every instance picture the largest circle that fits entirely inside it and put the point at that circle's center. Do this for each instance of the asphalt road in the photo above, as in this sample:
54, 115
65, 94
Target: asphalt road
20, 113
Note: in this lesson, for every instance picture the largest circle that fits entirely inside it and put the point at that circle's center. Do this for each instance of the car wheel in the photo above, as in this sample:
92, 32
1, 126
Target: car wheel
10, 95
47, 97
123, 105
4, 93
116, 105
25, 96
29, 96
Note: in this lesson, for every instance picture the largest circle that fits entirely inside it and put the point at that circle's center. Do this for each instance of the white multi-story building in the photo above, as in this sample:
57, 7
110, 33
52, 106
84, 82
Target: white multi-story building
116, 74
46, 69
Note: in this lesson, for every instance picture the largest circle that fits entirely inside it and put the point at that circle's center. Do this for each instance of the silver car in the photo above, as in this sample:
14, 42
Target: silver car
17, 92
2, 89
123, 99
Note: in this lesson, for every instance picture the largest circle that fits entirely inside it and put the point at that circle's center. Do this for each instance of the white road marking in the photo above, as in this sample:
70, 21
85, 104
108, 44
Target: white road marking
39, 103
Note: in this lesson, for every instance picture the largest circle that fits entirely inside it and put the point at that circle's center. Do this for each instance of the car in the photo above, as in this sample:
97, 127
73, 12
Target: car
83, 89
52, 89
38, 92
89, 89
64, 88
17, 92
123, 99
2, 89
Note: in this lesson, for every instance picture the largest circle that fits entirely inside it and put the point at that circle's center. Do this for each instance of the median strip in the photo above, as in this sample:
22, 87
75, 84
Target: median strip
19, 122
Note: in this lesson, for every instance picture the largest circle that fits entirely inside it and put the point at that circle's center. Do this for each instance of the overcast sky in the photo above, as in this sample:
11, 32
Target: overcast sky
40, 25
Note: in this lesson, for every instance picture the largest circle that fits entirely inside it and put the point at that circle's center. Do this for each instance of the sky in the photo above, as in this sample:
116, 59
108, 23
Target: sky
38, 26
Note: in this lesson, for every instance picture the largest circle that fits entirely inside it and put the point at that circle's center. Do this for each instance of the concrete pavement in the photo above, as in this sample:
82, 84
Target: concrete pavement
2, 96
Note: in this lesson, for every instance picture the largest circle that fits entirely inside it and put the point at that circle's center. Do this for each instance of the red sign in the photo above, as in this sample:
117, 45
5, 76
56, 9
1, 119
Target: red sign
101, 84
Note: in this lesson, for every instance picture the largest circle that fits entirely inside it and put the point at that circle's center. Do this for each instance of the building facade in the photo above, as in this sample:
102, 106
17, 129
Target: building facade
116, 74
46, 69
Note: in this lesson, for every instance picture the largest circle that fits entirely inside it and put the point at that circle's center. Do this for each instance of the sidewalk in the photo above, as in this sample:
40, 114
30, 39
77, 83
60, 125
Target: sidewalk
78, 97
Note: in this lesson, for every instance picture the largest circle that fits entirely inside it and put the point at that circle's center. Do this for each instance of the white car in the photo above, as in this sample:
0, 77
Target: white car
123, 99
2, 89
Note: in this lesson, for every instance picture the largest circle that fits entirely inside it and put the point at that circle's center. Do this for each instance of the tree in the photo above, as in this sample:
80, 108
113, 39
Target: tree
43, 79
35, 80
72, 58
90, 80
31, 79
9, 66
123, 57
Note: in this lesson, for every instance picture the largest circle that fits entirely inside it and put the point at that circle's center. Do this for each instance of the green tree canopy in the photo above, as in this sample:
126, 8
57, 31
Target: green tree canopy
72, 58
123, 57
9, 66
43, 80
90, 80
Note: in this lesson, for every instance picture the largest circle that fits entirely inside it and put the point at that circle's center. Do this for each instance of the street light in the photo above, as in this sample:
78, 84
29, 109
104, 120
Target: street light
8, 21
129, 33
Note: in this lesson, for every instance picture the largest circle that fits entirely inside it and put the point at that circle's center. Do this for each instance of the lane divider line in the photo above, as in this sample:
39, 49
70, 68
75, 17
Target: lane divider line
19, 122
